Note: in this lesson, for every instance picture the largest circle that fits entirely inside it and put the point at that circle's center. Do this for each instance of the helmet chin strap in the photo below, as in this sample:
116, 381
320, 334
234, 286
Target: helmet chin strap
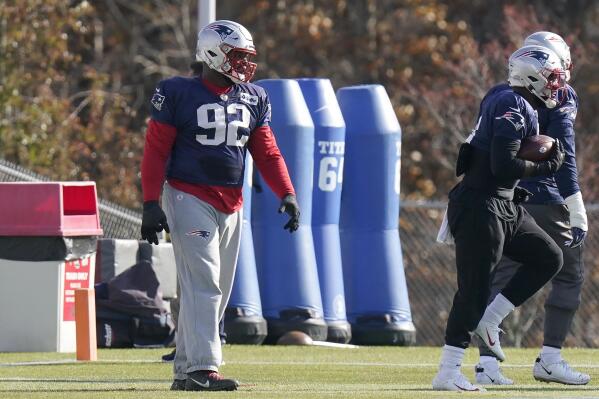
550, 103
215, 77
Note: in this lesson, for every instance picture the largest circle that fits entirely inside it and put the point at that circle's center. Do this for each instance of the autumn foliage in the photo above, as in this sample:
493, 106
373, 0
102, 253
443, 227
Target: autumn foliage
75, 77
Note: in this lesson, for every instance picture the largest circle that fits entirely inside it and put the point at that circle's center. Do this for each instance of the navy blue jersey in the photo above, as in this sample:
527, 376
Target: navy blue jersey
503, 113
558, 123
212, 130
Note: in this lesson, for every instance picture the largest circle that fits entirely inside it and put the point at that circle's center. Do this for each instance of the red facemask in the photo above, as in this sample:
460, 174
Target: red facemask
241, 65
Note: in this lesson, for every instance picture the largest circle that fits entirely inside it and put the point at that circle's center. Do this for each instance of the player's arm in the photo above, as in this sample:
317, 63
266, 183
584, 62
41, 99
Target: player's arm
510, 125
504, 163
159, 142
567, 176
160, 136
561, 127
269, 161
271, 165
272, 168
566, 179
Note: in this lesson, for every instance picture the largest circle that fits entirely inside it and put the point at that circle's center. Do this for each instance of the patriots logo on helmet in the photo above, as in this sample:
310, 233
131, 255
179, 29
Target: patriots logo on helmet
540, 56
200, 233
514, 117
222, 30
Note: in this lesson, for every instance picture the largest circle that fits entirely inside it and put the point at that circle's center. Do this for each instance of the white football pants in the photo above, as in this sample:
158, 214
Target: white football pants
206, 245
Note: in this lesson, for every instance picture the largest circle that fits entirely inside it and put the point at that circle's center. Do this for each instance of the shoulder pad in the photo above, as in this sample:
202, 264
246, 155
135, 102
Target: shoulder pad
568, 103
253, 89
173, 83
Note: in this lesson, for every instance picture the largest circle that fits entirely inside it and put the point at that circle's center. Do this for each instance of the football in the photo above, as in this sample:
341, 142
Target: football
295, 338
536, 148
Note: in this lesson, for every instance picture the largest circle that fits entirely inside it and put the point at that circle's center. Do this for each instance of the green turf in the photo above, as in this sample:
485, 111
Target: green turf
277, 372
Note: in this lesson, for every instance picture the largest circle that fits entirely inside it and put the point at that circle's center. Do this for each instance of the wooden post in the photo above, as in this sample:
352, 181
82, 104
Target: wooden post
85, 324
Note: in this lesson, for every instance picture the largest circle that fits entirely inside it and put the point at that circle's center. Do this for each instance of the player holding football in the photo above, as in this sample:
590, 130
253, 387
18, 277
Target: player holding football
557, 207
484, 217
197, 138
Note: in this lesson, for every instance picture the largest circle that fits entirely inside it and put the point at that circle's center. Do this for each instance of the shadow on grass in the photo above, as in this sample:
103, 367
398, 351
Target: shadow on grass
565, 389
71, 362
81, 381
84, 390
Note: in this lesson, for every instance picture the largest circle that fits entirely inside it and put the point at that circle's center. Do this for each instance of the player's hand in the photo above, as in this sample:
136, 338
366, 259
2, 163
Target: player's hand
152, 222
289, 206
521, 195
578, 236
558, 154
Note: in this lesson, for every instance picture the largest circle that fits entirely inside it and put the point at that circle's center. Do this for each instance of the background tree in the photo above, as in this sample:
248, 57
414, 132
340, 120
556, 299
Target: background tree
76, 77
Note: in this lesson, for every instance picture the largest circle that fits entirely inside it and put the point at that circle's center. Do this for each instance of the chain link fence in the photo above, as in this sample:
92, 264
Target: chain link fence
429, 267
116, 221
431, 277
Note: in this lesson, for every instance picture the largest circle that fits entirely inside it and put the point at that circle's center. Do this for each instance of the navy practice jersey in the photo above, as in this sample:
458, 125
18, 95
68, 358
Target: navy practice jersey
558, 123
212, 130
503, 113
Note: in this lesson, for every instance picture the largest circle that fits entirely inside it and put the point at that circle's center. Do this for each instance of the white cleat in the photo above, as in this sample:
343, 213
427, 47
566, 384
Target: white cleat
559, 372
489, 373
444, 381
489, 334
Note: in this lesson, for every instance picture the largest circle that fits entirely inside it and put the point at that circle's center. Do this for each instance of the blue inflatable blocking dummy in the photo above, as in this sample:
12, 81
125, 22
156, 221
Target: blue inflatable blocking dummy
244, 323
329, 148
286, 263
375, 286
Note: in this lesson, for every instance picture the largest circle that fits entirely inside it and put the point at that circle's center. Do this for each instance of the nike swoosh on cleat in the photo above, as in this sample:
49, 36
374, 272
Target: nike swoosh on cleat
543, 367
203, 385
491, 342
464, 389
492, 380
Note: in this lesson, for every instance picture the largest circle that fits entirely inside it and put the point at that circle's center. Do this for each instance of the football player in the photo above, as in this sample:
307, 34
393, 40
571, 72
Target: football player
557, 207
484, 217
197, 138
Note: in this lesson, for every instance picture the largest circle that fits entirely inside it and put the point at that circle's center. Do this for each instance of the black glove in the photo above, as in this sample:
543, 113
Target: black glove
521, 195
152, 222
556, 160
289, 205
578, 236
548, 167
557, 157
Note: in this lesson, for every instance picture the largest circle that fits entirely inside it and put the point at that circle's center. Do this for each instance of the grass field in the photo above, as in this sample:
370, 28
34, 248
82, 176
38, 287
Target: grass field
276, 372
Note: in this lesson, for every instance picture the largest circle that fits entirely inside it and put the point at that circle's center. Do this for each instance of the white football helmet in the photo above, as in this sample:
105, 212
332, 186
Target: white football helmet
539, 70
227, 47
554, 42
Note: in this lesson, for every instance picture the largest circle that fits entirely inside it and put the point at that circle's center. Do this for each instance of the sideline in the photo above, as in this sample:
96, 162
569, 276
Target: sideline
267, 363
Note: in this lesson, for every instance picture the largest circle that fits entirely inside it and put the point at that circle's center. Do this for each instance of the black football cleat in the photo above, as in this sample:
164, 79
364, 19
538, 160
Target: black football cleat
204, 380
169, 357
178, 385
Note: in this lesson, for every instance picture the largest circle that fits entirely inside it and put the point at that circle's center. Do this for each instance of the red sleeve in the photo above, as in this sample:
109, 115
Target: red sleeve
159, 142
269, 161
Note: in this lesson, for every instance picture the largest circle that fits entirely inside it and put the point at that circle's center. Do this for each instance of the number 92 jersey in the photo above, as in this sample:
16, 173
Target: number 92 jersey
212, 129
